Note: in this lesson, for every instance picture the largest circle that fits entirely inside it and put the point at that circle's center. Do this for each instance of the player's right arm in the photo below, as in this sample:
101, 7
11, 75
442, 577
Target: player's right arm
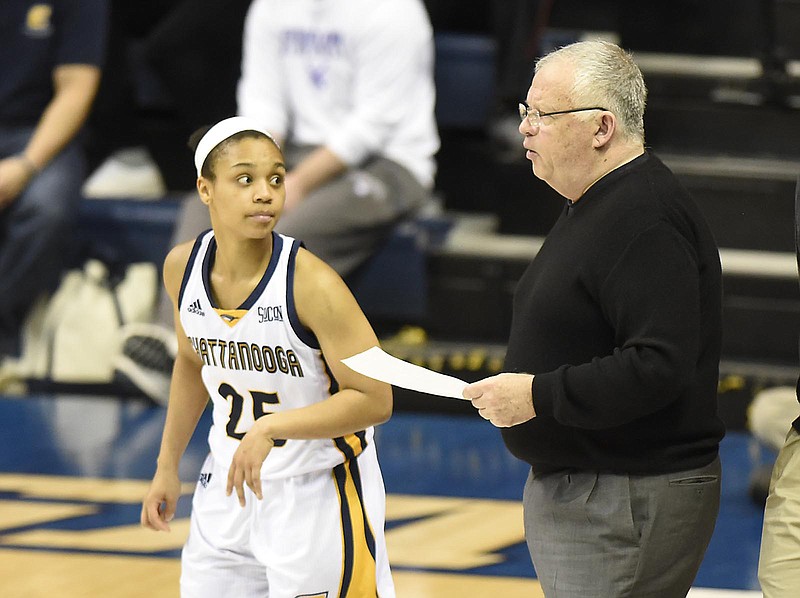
187, 401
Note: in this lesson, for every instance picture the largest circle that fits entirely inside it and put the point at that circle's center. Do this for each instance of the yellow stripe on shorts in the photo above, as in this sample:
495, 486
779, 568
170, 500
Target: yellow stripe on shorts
358, 541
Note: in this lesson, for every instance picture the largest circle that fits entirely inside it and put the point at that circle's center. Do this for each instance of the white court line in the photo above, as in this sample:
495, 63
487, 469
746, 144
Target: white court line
713, 593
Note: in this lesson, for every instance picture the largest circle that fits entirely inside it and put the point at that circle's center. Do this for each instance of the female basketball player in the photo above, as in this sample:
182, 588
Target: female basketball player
290, 500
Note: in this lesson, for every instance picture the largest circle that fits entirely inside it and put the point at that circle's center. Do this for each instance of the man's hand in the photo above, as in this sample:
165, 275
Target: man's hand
505, 400
247, 461
15, 174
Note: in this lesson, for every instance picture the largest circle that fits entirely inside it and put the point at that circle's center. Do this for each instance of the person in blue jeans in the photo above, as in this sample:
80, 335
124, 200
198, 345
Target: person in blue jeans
51, 57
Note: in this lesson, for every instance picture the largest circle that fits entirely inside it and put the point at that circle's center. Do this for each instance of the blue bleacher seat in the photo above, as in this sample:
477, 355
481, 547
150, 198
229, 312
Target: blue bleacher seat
126, 230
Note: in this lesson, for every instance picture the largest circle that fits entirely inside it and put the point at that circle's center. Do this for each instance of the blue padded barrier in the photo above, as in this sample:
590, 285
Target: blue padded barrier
393, 284
465, 79
127, 230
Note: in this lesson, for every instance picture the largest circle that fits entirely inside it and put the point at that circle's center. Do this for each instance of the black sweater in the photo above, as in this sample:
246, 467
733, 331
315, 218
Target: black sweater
619, 318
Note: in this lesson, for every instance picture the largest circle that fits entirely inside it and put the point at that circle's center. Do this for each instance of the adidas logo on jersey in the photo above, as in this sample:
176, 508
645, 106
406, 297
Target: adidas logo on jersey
194, 308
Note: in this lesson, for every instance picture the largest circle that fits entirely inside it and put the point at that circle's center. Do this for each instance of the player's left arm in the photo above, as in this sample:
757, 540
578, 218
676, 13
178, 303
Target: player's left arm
326, 307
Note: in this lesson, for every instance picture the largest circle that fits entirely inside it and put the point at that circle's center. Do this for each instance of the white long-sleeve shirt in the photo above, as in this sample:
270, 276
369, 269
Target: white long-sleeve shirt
355, 76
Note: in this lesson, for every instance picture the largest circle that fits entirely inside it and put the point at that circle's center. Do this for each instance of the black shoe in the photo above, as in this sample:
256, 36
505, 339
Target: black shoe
146, 359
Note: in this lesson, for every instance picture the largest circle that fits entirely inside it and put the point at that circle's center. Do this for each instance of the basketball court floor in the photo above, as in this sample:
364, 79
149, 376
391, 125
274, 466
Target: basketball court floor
73, 470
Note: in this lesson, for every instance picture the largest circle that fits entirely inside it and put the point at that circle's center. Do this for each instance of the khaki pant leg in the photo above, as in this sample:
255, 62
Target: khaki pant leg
779, 562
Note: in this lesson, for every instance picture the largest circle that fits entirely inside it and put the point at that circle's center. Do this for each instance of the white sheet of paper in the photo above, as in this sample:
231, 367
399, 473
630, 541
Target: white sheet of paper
378, 364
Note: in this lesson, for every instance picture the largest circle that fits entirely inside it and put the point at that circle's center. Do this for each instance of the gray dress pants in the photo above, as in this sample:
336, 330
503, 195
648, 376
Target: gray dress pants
598, 535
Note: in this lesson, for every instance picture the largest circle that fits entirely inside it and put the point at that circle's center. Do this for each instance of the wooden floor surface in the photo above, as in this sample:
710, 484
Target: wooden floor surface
73, 471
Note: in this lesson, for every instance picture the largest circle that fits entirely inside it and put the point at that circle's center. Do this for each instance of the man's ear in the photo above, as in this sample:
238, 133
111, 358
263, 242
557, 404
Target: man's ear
606, 129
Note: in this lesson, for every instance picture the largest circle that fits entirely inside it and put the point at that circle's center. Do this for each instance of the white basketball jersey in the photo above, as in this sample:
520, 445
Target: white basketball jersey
259, 360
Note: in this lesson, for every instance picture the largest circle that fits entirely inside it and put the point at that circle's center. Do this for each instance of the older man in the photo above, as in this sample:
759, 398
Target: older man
613, 358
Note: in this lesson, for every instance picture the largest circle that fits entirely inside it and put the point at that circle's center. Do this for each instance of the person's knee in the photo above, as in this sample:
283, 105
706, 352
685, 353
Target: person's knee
50, 217
52, 206
54, 195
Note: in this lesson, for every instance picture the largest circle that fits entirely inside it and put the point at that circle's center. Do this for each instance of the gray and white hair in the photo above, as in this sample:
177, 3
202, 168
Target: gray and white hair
605, 75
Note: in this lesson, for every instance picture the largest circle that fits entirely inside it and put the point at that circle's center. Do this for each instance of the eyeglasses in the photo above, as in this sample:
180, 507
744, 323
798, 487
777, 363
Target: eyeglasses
535, 117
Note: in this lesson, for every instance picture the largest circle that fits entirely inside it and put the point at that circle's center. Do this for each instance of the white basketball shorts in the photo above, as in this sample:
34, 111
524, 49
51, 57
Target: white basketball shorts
318, 535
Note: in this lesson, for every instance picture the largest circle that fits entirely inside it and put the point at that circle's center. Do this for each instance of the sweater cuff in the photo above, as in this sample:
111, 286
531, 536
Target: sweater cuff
541, 391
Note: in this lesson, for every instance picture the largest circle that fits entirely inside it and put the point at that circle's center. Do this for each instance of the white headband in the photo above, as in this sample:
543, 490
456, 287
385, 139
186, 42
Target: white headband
220, 132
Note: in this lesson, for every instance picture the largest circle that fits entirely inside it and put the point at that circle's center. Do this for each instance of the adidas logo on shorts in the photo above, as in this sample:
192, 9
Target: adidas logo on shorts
205, 478
194, 308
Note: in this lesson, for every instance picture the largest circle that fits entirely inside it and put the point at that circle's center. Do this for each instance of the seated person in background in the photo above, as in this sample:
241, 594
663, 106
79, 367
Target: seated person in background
50, 60
347, 87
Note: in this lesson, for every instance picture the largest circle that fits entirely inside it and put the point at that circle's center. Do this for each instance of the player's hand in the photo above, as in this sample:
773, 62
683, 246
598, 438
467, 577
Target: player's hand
246, 463
504, 400
158, 507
